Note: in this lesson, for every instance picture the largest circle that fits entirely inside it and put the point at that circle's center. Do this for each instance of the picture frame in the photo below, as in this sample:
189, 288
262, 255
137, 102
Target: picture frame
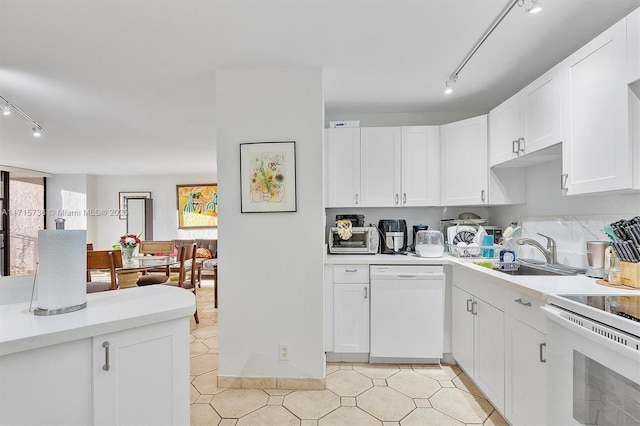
197, 205
122, 201
268, 177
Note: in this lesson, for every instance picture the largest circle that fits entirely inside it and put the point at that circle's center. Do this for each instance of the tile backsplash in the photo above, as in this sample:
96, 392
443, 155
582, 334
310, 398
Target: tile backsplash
570, 233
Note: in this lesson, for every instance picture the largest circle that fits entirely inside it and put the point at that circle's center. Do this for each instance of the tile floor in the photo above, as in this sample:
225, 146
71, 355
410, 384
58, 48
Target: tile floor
355, 394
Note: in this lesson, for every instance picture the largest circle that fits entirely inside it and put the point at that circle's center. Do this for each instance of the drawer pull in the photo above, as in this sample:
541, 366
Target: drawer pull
351, 270
542, 357
522, 303
106, 365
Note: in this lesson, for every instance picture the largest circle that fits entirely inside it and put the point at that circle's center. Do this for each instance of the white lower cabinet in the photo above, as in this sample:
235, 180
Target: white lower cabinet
351, 308
141, 375
478, 343
525, 374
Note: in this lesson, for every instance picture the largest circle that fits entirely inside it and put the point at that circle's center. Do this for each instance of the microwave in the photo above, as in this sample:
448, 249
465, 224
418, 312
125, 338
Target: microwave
364, 240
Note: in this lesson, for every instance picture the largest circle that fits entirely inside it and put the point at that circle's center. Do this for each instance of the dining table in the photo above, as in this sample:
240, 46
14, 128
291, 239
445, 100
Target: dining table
128, 273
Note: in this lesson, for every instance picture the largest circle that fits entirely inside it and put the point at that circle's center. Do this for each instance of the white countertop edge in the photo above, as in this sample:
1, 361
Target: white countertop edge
536, 287
106, 312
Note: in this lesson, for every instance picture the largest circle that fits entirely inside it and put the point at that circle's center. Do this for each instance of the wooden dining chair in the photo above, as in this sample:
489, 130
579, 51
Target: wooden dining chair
89, 248
187, 278
150, 248
104, 260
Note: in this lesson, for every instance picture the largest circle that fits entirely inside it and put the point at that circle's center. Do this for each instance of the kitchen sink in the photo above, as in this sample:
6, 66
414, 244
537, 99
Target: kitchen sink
543, 269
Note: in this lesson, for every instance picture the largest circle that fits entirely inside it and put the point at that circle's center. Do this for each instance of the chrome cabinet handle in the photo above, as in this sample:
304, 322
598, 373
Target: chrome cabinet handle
474, 311
404, 198
397, 199
356, 198
469, 308
482, 195
106, 365
515, 146
521, 148
542, 347
365, 293
563, 181
522, 303
351, 270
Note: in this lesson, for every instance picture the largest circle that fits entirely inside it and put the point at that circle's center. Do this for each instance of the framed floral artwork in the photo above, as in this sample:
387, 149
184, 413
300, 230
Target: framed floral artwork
268, 177
197, 205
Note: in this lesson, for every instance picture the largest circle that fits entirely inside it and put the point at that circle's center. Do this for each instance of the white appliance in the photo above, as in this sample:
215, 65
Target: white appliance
407, 313
593, 360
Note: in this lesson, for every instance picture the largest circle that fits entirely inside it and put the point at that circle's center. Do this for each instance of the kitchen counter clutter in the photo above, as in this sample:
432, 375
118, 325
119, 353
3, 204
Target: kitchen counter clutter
536, 287
124, 359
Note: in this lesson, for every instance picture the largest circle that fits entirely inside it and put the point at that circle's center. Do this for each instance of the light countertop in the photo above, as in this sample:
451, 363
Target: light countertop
106, 312
534, 286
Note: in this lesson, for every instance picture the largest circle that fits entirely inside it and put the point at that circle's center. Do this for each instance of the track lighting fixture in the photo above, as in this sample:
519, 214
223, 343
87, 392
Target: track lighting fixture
449, 84
9, 106
534, 6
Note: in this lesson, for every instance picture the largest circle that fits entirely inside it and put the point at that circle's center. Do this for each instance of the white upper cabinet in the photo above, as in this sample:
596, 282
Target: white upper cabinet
463, 148
343, 167
596, 150
633, 46
380, 159
527, 122
420, 166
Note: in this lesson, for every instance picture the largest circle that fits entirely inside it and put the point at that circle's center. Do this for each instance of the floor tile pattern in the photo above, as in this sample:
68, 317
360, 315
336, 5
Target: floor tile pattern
355, 394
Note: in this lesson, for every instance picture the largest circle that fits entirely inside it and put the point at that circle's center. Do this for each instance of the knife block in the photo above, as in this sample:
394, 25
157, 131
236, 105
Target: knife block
630, 274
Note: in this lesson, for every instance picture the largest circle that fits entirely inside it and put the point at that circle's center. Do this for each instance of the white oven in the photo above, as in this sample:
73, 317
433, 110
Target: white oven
593, 361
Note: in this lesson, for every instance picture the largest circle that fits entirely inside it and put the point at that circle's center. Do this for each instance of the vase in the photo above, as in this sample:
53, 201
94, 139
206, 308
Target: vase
127, 255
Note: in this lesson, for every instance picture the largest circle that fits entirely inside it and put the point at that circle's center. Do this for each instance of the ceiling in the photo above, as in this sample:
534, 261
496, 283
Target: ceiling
128, 86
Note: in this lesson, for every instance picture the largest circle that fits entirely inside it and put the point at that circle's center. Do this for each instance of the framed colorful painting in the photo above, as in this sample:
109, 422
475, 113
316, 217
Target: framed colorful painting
268, 177
197, 205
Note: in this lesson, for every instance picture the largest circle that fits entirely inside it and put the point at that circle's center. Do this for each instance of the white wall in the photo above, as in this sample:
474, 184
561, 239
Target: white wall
271, 264
101, 194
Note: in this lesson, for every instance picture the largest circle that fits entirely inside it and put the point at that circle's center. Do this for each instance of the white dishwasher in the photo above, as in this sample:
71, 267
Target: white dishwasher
407, 313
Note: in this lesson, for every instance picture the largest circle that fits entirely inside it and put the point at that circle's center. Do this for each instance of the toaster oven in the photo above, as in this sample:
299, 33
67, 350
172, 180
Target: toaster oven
364, 240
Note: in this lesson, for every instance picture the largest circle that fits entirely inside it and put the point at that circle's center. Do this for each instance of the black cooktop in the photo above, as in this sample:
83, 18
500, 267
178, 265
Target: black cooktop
626, 306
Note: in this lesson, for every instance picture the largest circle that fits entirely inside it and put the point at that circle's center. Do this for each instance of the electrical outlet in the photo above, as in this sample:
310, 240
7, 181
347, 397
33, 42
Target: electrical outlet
284, 352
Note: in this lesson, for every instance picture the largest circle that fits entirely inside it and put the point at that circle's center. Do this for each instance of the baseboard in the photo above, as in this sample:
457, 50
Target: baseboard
293, 383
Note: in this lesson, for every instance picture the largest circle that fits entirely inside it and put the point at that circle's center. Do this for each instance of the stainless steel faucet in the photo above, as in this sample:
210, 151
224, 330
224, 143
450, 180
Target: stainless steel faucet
549, 253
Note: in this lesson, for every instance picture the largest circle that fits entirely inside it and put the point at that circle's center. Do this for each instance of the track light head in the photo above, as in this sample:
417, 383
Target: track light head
534, 6
37, 131
449, 84
6, 109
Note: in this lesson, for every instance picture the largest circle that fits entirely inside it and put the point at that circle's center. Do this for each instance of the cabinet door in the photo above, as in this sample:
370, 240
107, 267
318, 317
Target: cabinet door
489, 352
147, 381
380, 166
420, 166
343, 167
462, 329
541, 112
351, 318
525, 374
596, 151
464, 162
633, 46
505, 129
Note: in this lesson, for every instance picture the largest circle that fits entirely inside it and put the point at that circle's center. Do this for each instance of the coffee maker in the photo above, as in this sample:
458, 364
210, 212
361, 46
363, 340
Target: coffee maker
393, 234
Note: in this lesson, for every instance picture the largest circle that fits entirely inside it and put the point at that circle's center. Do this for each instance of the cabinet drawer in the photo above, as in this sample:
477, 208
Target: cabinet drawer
346, 274
525, 309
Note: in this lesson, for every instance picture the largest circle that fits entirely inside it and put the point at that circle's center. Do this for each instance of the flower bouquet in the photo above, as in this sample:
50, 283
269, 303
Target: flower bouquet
127, 244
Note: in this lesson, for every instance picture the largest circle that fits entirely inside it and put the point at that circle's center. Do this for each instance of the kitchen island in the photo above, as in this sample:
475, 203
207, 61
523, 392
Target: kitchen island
123, 359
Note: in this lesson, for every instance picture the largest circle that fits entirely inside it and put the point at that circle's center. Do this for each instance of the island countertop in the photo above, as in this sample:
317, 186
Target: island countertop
106, 312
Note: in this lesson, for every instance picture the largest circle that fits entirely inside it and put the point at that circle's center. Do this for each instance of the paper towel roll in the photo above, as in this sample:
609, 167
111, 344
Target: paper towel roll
62, 270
